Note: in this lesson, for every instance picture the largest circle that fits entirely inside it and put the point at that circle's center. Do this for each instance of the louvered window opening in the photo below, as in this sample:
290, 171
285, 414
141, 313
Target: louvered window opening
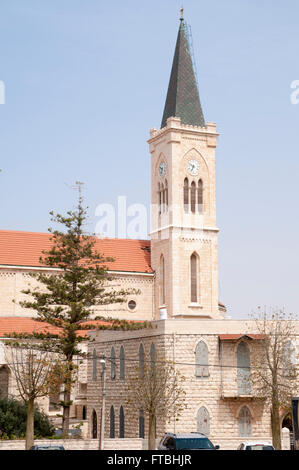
163, 197
193, 196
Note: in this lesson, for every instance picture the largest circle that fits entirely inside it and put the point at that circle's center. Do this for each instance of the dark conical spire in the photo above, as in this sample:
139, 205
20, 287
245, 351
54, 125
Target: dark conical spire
182, 96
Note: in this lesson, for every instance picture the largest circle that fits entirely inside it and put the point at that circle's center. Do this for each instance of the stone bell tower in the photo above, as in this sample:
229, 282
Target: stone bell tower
183, 226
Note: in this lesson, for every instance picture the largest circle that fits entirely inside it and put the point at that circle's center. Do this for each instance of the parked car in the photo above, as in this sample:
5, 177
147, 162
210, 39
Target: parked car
257, 445
193, 440
44, 447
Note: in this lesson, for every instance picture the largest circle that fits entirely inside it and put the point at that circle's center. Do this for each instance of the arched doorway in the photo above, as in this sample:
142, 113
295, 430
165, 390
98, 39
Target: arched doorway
94, 425
287, 422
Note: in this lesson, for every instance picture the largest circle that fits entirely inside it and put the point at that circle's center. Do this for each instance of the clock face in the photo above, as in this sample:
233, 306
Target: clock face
162, 169
193, 167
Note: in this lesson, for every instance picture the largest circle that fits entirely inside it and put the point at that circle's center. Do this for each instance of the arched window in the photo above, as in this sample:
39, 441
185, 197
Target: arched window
201, 360
113, 364
94, 425
153, 354
243, 363
122, 363
166, 195
193, 196
200, 196
141, 360
160, 197
244, 421
194, 277
94, 365
112, 423
186, 195
203, 421
121, 422
141, 424
162, 280
163, 198
84, 412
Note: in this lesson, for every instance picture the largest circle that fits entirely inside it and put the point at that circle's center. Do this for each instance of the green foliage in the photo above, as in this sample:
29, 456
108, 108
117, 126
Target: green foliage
66, 299
13, 417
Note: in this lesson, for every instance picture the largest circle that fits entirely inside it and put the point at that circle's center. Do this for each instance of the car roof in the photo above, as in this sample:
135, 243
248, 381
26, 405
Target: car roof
254, 443
187, 435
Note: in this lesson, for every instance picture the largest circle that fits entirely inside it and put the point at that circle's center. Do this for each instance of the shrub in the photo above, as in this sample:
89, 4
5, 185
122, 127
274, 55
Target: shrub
13, 414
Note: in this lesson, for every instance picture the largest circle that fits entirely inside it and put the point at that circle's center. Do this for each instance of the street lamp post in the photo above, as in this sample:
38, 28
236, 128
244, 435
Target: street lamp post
102, 431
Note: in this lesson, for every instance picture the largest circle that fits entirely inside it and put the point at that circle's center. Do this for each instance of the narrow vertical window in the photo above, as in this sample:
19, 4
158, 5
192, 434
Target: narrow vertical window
193, 197
200, 196
94, 425
186, 194
203, 421
122, 363
141, 424
166, 195
112, 423
94, 365
162, 280
243, 371
141, 360
244, 421
163, 198
160, 197
121, 423
113, 364
193, 277
153, 354
201, 360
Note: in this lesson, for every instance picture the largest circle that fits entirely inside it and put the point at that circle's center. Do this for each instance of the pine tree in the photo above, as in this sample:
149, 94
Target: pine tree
66, 298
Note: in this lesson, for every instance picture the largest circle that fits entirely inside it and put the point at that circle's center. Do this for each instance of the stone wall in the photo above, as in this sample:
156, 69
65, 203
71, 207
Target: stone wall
14, 280
79, 444
176, 340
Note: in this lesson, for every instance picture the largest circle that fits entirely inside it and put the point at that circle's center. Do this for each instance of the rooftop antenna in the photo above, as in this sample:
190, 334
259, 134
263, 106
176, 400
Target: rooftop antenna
182, 13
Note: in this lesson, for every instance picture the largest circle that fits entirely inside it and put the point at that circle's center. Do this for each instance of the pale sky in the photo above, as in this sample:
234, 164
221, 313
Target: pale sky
86, 80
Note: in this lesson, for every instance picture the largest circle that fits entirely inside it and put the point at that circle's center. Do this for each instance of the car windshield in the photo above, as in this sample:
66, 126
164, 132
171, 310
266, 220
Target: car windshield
259, 447
49, 448
194, 443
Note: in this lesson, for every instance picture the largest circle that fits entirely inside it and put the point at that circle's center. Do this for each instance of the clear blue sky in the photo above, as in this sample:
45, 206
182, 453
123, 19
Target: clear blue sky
86, 80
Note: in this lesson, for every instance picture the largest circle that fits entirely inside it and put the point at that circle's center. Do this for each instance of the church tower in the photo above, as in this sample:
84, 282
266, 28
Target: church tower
184, 250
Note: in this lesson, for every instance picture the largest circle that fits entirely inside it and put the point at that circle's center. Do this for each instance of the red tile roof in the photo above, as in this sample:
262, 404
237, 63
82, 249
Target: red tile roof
25, 248
27, 325
236, 337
